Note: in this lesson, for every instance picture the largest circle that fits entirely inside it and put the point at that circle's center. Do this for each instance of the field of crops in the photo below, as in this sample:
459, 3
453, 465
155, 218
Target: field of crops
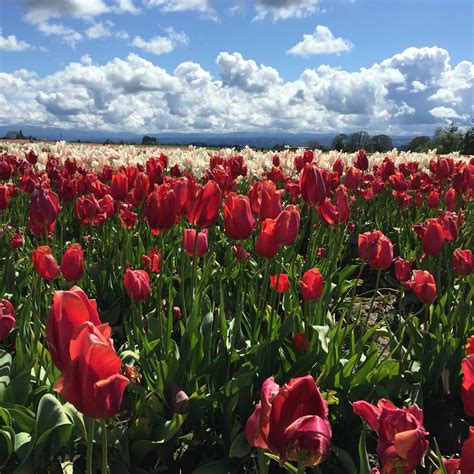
216, 312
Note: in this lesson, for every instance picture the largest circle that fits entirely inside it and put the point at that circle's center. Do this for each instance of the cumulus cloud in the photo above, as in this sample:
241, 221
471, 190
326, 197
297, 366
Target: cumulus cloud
126, 6
284, 9
99, 30
201, 6
65, 33
161, 44
322, 41
12, 43
41, 10
134, 94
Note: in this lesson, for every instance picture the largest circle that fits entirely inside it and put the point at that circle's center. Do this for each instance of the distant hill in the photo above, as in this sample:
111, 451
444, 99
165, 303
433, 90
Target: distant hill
240, 139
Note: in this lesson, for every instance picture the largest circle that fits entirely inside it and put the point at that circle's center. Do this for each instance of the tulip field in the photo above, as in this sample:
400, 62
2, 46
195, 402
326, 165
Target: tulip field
212, 312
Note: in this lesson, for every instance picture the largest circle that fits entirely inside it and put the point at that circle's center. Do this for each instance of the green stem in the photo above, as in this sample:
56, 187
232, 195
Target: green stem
105, 467
301, 469
90, 443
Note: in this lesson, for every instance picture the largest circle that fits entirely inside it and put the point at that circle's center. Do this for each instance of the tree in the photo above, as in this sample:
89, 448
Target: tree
419, 144
357, 141
147, 140
380, 143
314, 145
467, 143
448, 139
339, 142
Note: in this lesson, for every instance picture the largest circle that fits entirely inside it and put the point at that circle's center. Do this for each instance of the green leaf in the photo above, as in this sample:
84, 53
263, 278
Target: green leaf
345, 459
53, 426
5, 371
239, 447
217, 467
7, 440
363, 458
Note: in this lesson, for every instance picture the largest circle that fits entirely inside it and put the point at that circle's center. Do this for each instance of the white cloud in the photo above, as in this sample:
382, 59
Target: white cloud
126, 6
322, 41
68, 35
135, 95
201, 6
12, 44
161, 44
284, 9
99, 30
41, 10
236, 71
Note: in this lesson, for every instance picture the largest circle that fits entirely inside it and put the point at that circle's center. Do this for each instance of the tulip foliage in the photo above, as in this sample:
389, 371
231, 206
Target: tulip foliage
193, 311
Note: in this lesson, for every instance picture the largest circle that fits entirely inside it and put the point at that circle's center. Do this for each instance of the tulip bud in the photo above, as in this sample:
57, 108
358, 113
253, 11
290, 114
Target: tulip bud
311, 284
72, 265
137, 284
7, 318
45, 264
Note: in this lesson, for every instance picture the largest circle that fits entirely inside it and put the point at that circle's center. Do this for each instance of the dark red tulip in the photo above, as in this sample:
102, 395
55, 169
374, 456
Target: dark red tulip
137, 284
238, 218
301, 342
280, 282
470, 345
376, 249
463, 263
265, 199
152, 261
141, 188
88, 210
127, 217
423, 285
162, 208
402, 268
361, 161
313, 187
5, 192
7, 318
202, 243
203, 208
402, 440
92, 381
467, 387
72, 265
70, 309
353, 178
311, 285
433, 200
45, 264
119, 186
291, 422
268, 241
16, 241
179, 400
43, 210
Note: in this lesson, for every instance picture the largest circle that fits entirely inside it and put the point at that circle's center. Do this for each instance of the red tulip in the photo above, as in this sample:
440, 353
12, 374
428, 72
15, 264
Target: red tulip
238, 218
137, 284
72, 265
433, 200
70, 309
402, 268
204, 206
140, 188
467, 454
353, 178
433, 238
467, 388
240, 253
45, 264
313, 187
470, 345
202, 243
361, 161
43, 210
423, 285
287, 225
162, 208
301, 342
268, 241
7, 318
376, 249
335, 214
311, 284
291, 422
5, 192
463, 263
280, 282
402, 437
16, 241
152, 261
92, 381
265, 199
88, 210
127, 217
119, 186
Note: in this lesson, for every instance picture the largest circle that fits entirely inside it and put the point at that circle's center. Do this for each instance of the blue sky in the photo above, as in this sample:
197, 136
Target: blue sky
298, 62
